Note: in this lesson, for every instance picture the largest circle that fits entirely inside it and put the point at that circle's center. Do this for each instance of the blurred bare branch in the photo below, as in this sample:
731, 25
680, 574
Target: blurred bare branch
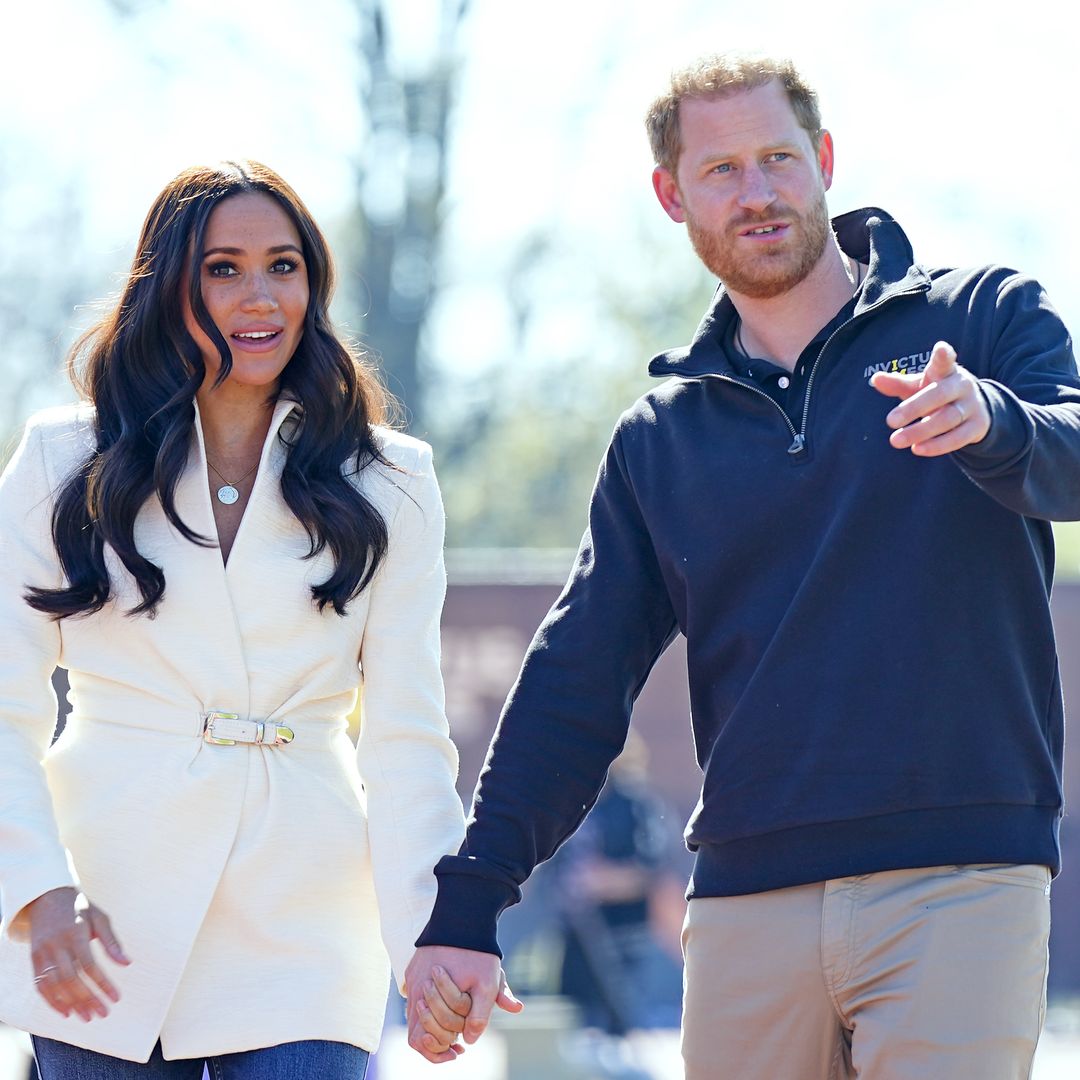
401, 182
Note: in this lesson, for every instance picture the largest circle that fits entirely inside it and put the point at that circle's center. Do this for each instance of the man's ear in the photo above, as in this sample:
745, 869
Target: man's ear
667, 191
825, 158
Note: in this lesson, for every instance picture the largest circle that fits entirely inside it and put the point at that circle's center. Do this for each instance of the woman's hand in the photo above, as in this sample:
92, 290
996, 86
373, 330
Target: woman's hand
452, 992
443, 1009
62, 925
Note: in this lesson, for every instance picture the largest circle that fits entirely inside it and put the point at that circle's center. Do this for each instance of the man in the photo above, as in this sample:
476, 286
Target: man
841, 497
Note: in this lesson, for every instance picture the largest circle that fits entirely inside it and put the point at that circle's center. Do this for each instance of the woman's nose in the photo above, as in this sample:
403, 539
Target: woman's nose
260, 296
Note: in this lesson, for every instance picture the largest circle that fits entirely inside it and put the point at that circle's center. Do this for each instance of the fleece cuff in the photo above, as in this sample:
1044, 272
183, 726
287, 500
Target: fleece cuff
468, 906
1009, 438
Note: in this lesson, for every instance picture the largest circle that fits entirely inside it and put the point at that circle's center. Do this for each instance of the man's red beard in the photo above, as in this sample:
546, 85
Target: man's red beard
769, 272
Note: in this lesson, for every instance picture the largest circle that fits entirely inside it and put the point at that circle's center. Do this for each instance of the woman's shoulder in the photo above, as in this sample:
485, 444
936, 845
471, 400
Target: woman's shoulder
62, 419
55, 443
65, 431
400, 474
402, 452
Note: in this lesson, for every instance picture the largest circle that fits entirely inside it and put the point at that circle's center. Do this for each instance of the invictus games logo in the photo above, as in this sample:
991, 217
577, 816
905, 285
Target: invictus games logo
901, 365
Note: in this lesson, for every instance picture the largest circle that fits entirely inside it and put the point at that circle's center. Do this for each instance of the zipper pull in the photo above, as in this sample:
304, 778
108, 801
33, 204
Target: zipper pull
798, 445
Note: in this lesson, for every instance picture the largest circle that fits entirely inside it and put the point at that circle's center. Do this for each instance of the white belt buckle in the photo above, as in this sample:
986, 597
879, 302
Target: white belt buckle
227, 729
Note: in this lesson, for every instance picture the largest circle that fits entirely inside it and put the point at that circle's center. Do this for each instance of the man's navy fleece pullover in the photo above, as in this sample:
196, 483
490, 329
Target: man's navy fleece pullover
873, 677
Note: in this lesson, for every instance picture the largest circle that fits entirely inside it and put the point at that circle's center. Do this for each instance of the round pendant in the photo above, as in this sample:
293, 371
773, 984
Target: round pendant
227, 494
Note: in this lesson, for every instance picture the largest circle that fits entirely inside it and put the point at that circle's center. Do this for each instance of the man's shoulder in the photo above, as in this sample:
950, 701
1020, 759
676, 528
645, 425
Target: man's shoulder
650, 410
992, 294
647, 416
988, 278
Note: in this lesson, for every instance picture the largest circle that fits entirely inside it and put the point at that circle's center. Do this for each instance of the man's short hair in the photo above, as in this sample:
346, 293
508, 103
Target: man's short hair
717, 76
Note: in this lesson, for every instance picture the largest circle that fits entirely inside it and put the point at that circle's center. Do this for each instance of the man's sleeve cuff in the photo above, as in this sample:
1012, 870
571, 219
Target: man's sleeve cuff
468, 906
1009, 438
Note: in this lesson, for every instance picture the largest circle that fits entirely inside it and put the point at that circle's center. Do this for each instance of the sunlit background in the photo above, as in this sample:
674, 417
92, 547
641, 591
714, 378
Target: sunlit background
482, 172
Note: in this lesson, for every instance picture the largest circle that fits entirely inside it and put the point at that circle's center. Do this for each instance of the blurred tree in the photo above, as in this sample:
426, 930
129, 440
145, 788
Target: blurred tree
518, 469
401, 181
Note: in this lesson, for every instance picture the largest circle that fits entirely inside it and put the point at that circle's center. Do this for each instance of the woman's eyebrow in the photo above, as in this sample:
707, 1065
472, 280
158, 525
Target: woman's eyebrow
276, 250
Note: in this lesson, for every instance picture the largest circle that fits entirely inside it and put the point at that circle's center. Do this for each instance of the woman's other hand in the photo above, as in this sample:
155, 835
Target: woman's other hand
443, 1009
453, 991
62, 925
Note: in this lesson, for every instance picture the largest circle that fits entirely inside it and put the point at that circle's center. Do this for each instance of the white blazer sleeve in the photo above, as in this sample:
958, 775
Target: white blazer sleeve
406, 759
32, 857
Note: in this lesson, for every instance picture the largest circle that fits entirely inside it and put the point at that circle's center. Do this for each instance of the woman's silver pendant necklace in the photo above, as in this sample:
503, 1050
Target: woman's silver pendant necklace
228, 493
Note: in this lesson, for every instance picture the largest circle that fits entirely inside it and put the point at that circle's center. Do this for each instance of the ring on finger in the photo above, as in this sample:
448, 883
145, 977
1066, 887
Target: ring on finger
44, 973
960, 409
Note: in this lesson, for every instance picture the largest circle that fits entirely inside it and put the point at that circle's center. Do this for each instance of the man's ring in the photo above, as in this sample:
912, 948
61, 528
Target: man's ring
44, 973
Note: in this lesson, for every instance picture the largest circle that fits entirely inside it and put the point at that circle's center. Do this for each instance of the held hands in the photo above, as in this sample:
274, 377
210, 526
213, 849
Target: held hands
62, 925
451, 992
942, 408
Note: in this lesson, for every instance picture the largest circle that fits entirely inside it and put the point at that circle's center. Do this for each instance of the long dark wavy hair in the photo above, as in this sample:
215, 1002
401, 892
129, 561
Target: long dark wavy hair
140, 367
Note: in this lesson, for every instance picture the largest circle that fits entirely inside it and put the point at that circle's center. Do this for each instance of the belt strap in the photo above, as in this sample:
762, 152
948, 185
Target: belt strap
227, 729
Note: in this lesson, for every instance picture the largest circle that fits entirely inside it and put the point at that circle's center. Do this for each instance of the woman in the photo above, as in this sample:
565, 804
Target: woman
222, 545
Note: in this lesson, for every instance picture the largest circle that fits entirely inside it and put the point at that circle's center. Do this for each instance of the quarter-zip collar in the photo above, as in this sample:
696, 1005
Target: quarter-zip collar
869, 235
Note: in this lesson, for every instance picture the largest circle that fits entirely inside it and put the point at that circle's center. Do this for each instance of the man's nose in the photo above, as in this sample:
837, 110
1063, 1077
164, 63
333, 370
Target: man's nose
756, 193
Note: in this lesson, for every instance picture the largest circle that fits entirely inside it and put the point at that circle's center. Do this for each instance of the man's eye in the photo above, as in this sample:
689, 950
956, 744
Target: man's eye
722, 168
780, 155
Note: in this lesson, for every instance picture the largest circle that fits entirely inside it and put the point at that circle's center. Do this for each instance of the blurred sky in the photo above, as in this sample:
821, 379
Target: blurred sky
958, 118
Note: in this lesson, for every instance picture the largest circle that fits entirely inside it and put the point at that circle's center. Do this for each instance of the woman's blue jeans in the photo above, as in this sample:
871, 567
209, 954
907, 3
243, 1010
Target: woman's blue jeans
306, 1060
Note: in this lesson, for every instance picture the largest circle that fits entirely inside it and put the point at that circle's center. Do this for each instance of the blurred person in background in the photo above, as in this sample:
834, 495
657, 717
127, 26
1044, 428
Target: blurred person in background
609, 874
223, 544
841, 496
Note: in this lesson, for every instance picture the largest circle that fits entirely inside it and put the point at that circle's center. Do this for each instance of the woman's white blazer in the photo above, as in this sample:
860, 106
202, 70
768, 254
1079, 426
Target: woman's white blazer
257, 890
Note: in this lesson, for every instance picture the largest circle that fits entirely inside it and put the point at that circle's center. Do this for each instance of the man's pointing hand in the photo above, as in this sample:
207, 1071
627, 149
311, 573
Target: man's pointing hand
941, 410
